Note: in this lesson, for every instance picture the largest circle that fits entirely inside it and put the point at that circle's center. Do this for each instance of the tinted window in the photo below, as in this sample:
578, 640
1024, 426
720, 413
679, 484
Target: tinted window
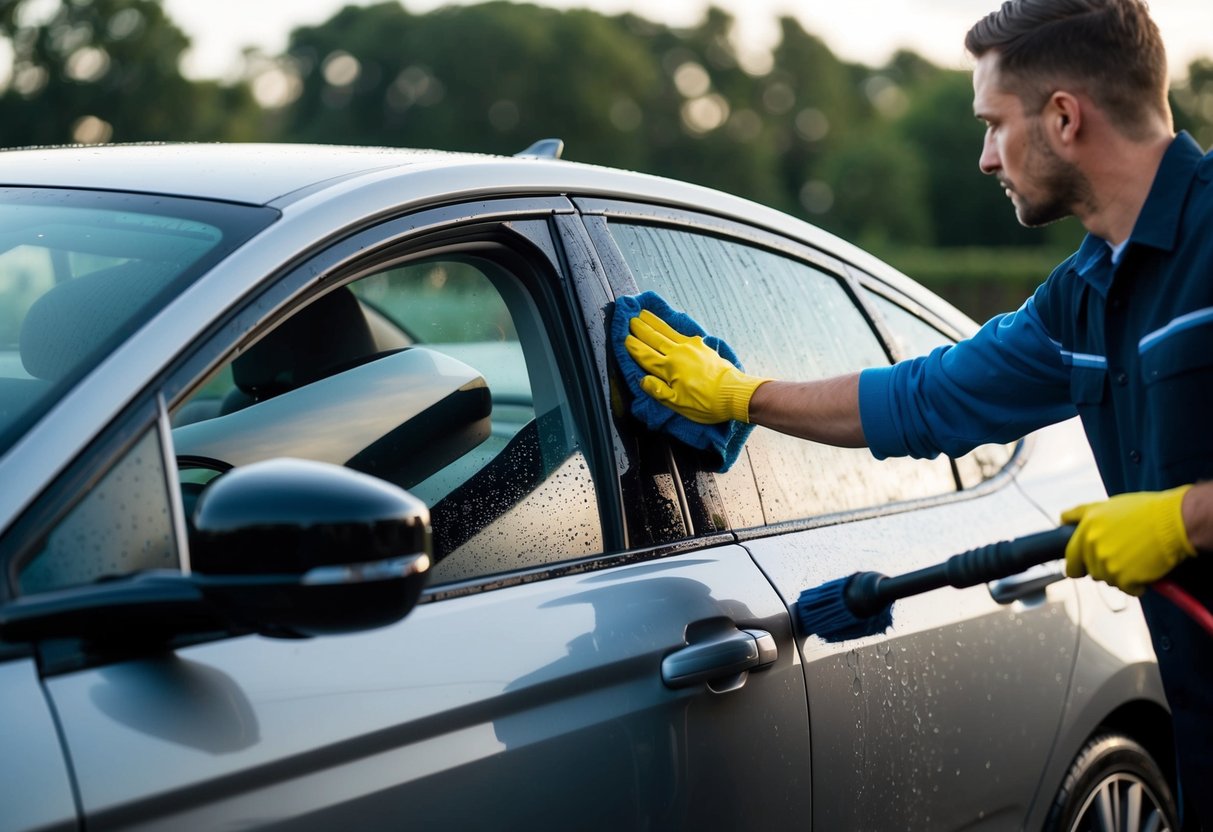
122, 525
786, 319
438, 376
914, 337
81, 270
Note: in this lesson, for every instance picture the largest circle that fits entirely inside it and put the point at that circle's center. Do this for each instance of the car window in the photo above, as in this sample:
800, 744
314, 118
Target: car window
786, 319
437, 376
915, 337
122, 525
81, 270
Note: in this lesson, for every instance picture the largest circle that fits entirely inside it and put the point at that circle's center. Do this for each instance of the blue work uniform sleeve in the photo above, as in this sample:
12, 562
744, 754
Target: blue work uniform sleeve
1005, 381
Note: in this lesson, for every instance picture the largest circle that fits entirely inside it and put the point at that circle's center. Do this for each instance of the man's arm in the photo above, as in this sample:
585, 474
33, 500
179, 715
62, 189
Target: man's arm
1197, 510
823, 411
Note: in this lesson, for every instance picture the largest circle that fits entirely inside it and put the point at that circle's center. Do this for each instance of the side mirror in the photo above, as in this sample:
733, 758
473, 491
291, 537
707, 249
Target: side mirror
343, 550
285, 547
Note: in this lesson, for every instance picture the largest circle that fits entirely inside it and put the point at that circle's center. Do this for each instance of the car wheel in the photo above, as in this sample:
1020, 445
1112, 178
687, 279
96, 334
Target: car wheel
1113, 784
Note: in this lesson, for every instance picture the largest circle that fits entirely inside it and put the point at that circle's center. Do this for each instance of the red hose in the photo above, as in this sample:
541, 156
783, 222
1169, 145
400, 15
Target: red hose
1180, 598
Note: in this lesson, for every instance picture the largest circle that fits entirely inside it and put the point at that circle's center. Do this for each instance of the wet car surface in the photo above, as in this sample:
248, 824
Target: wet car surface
237, 383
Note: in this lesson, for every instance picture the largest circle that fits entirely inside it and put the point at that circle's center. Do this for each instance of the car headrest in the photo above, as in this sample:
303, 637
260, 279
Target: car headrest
68, 324
328, 334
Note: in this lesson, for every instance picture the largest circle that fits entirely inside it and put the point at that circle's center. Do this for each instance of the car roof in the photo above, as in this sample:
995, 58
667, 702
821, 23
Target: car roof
280, 174
252, 173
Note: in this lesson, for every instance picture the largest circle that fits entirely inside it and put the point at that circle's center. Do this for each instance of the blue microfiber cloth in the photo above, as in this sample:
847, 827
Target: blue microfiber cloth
722, 442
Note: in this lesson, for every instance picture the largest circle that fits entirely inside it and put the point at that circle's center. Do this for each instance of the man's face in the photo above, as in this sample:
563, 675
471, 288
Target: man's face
1041, 185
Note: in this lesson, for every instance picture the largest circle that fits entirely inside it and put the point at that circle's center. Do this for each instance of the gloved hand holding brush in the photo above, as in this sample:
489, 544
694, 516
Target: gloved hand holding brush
687, 375
1130, 540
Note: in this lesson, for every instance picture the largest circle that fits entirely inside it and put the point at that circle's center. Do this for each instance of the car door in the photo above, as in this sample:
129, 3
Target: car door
579, 659
946, 720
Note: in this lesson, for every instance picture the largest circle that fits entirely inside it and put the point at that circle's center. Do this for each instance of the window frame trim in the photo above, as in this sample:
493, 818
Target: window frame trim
393, 241
854, 279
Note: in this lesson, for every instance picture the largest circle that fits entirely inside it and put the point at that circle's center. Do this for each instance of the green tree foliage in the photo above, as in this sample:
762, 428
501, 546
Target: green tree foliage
885, 156
487, 78
1192, 102
878, 186
106, 70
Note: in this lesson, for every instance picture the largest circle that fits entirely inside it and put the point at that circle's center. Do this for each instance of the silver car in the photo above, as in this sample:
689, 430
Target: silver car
322, 508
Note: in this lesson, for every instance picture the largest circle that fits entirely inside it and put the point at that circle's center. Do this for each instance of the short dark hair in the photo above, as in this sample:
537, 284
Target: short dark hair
1110, 49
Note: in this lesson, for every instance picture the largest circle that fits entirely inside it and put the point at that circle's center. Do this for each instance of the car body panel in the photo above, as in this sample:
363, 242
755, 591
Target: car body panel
35, 784
961, 697
445, 718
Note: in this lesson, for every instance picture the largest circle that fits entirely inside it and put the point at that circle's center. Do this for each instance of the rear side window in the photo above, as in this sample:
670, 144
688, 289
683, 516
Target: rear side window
786, 319
915, 337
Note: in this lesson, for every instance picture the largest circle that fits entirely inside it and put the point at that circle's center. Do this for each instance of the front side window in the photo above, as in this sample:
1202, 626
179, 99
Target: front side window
788, 320
81, 270
439, 376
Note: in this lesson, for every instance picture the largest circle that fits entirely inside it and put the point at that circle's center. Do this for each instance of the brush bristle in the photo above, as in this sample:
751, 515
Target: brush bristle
823, 612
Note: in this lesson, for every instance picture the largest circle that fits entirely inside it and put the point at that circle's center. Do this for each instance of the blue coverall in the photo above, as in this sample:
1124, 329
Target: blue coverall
1128, 345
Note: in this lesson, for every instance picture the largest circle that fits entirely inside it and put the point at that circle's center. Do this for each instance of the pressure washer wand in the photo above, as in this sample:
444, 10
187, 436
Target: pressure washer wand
869, 592
861, 604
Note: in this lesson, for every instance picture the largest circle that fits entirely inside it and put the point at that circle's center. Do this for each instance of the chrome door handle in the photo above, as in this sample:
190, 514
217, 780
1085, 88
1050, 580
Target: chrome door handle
721, 660
1028, 582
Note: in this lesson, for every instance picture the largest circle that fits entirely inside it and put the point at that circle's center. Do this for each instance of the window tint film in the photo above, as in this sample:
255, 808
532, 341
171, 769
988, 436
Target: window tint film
786, 320
80, 271
915, 337
437, 376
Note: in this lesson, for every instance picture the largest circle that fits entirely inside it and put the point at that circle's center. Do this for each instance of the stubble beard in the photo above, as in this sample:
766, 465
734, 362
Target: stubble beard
1062, 186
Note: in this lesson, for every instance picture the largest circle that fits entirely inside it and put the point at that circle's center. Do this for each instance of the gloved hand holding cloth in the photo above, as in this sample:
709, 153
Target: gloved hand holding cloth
1129, 541
687, 375
683, 382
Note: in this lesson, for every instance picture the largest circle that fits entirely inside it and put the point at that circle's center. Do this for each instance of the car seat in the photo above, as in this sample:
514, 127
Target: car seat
327, 336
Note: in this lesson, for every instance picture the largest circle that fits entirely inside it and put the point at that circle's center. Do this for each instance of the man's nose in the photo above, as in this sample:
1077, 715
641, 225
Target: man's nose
989, 162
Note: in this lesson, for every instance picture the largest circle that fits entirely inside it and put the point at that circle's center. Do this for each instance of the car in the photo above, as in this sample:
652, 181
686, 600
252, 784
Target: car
323, 508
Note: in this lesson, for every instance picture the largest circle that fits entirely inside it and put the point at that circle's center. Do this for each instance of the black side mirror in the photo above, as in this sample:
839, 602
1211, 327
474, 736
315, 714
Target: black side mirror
344, 550
285, 547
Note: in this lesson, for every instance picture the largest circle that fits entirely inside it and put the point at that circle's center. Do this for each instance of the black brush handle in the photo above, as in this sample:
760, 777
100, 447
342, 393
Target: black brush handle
867, 593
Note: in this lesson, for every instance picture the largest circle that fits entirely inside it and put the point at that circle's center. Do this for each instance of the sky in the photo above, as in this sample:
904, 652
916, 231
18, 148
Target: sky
865, 31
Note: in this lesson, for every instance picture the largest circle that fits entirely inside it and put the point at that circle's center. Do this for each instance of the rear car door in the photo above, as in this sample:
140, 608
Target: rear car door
579, 659
946, 720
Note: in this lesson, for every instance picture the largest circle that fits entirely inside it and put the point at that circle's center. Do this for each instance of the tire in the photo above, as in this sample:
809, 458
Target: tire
1113, 785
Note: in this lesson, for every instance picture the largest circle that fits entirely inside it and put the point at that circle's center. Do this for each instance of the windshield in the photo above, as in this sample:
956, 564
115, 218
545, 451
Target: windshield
81, 270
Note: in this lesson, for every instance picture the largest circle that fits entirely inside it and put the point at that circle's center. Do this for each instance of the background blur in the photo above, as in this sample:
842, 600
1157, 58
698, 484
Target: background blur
883, 155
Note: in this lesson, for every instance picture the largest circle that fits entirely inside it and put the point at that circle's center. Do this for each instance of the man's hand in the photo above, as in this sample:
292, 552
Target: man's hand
687, 375
1129, 541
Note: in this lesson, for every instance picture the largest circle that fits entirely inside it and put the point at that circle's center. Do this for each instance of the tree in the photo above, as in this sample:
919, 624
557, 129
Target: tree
106, 70
489, 78
1192, 102
879, 189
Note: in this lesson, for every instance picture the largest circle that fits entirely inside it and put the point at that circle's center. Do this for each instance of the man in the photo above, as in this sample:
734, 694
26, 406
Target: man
1073, 94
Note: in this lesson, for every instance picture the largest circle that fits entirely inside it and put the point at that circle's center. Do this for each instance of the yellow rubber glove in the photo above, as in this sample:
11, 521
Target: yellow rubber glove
687, 375
1129, 541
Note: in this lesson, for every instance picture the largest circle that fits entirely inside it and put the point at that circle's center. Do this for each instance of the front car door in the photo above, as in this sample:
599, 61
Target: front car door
563, 668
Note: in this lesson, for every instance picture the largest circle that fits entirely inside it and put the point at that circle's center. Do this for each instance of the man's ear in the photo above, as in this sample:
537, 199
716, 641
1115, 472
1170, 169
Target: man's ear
1063, 118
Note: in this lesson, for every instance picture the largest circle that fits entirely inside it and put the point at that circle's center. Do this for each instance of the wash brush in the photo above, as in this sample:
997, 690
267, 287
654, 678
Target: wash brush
862, 604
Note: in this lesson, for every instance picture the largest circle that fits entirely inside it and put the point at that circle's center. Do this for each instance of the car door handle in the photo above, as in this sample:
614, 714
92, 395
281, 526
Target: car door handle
721, 660
1028, 582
